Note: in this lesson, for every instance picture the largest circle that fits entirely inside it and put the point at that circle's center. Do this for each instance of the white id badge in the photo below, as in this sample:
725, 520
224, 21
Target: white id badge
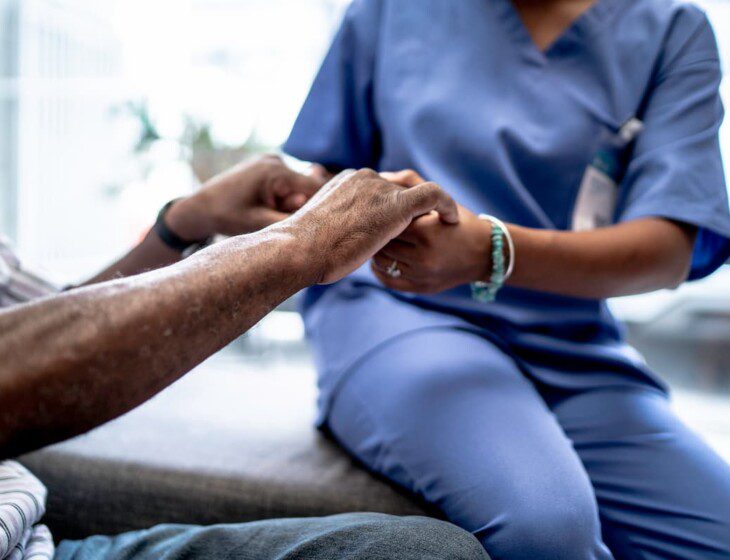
596, 201
595, 205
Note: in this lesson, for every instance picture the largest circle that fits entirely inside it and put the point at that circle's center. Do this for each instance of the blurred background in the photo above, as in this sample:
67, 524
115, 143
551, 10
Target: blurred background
109, 108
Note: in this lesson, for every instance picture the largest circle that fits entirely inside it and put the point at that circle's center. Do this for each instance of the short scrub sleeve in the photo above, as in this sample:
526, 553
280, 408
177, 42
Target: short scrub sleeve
336, 127
676, 171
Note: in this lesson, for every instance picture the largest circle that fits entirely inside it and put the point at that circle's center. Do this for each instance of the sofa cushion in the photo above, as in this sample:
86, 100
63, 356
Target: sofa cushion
224, 444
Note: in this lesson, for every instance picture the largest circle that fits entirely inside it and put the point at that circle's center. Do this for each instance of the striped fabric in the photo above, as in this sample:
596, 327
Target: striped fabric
22, 495
22, 504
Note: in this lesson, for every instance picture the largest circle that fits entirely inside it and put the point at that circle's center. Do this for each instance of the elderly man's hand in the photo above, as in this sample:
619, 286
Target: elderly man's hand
356, 214
244, 199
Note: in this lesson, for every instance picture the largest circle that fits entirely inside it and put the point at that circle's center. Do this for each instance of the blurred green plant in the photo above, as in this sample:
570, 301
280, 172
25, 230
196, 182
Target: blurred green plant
148, 131
198, 146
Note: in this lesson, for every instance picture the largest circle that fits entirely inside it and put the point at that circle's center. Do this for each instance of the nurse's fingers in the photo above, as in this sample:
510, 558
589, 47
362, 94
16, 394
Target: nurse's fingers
409, 236
402, 284
400, 250
427, 197
420, 230
319, 173
293, 202
382, 263
404, 178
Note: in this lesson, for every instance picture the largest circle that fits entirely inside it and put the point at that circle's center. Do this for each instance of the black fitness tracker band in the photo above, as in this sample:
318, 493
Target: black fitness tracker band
170, 238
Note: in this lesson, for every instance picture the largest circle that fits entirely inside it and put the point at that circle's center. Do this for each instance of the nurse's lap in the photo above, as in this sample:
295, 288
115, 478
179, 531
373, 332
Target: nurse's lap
448, 415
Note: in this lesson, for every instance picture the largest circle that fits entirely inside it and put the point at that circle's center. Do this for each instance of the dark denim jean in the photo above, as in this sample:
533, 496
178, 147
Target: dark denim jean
357, 536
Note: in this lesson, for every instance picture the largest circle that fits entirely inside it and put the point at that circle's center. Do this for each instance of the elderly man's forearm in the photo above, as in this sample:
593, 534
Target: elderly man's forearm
78, 360
74, 361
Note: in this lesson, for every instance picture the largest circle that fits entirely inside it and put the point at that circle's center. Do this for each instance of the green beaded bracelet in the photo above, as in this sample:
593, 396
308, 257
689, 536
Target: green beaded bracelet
486, 292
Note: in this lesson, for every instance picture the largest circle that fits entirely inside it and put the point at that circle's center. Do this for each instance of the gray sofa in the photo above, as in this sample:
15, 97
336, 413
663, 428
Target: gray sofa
221, 445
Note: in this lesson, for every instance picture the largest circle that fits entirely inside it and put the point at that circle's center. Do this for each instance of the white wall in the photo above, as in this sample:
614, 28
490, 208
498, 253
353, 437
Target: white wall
8, 114
67, 83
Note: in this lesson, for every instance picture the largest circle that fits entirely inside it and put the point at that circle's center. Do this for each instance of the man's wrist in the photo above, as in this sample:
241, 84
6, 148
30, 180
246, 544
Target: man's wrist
306, 258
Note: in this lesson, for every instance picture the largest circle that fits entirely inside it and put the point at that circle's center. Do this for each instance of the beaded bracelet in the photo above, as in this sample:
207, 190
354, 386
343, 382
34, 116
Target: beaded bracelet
486, 292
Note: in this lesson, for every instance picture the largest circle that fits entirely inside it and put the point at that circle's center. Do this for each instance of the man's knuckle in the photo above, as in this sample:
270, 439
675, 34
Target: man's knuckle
432, 190
367, 173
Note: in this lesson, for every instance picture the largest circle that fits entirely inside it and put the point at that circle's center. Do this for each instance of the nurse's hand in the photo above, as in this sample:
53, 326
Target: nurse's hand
433, 257
354, 215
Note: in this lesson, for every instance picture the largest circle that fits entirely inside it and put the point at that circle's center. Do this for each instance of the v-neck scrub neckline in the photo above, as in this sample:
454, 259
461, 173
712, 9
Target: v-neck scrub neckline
582, 27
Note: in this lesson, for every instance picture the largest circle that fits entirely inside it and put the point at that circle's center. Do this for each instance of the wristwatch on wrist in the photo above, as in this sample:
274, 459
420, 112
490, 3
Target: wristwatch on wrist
173, 240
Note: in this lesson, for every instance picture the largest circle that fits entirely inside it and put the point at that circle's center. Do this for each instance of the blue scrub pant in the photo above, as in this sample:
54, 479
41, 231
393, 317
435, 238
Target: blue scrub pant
533, 473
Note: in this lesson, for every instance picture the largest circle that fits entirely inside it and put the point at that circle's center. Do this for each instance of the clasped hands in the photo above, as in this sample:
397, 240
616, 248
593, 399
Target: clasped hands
433, 253
433, 256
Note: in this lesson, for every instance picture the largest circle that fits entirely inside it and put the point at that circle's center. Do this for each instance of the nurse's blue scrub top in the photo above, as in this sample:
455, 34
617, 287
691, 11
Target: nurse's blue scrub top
458, 91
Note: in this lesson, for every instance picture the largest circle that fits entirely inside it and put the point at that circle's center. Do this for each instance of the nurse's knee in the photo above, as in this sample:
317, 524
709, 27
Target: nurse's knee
568, 530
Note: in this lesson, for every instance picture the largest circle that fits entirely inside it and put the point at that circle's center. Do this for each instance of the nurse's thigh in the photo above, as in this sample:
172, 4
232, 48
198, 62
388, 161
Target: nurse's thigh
662, 492
447, 415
